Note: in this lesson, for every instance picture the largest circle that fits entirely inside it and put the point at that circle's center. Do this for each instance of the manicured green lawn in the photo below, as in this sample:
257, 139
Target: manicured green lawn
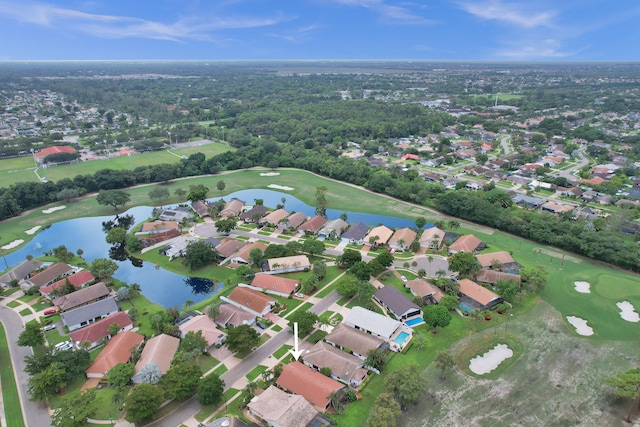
281, 351
26, 312
255, 372
206, 362
13, 304
277, 328
220, 370
10, 397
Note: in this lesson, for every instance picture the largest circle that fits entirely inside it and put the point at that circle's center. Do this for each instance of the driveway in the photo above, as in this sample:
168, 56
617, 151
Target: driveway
36, 414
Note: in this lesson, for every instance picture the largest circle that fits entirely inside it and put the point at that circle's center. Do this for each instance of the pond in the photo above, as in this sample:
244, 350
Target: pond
158, 285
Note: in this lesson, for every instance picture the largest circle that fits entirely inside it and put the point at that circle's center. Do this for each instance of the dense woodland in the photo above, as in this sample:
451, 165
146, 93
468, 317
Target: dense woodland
280, 115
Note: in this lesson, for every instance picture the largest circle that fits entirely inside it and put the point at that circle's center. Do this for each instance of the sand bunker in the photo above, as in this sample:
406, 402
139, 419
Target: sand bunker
33, 230
51, 210
489, 361
280, 187
582, 287
270, 174
13, 244
628, 312
581, 326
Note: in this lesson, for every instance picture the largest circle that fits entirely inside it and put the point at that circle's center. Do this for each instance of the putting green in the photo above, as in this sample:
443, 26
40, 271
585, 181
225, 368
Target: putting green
616, 287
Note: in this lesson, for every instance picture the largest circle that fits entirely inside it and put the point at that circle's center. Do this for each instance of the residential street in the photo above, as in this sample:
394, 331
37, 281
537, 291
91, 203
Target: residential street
35, 413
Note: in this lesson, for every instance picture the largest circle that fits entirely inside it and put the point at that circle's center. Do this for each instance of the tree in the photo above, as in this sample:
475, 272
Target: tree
627, 385
321, 195
62, 253
117, 235
348, 258
158, 193
113, 329
385, 412
123, 293
507, 289
210, 390
120, 375
226, 225
32, 336
199, 253
47, 382
306, 321
255, 256
103, 268
150, 374
181, 380
464, 263
420, 341
75, 409
444, 361
313, 246
133, 244
348, 285
194, 341
67, 194
319, 268
436, 316
143, 401
406, 384
197, 193
453, 224
450, 302
361, 270
535, 277
242, 338
213, 311
420, 222
180, 192
376, 358
113, 198
220, 185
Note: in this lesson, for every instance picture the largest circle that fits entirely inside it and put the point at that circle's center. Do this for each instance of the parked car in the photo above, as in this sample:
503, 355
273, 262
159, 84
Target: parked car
299, 295
404, 279
62, 346
50, 311
50, 327
261, 325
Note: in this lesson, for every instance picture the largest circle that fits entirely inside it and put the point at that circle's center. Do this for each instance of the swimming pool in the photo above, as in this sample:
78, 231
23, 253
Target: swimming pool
465, 308
414, 322
401, 338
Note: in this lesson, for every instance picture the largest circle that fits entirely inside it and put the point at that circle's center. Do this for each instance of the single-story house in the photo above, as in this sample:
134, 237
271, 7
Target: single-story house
232, 316
20, 272
177, 214
242, 255
280, 409
397, 303
335, 227
41, 155
78, 280
428, 292
94, 333
230, 422
492, 276
254, 214
312, 385
159, 351
82, 297
556, 208
52, 274
526, 201
432, 238
273, 284
287, 264
252, 301
499, 261
207, 326
118, 350
344, 367
201, 208
353, 340
372, 323
229, 247
355, 233
402, 239
378, 236
293, 221
313, 225
88, 314
476, 296
155, 227
232, 209
177, 247
274, 218
466, 243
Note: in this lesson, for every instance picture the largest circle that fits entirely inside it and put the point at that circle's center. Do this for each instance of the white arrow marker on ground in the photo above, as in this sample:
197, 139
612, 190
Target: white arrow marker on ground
295, 352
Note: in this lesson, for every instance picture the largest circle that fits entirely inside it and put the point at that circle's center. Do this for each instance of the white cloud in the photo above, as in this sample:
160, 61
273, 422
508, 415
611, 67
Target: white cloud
511, 13
113, 26
548, 48
394, 14
296, 35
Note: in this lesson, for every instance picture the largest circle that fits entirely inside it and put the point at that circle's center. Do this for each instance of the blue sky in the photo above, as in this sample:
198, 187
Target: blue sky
513, 30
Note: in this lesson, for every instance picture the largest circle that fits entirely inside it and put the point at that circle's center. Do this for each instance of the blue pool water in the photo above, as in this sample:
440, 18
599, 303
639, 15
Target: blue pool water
465, 308
414, 322
401, 338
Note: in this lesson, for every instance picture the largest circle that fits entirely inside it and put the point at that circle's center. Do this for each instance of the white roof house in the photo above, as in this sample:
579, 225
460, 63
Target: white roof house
373, 323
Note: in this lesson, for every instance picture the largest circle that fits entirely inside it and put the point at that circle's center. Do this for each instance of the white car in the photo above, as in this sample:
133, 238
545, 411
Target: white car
299, 295
50, 327
62, 346
404, 279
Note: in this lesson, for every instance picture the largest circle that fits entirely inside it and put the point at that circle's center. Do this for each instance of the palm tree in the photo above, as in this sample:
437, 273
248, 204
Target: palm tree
454, 224
213, 311
187, 304
335, 400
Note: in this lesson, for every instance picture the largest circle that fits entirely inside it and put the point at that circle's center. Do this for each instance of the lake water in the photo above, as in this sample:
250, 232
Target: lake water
158, 285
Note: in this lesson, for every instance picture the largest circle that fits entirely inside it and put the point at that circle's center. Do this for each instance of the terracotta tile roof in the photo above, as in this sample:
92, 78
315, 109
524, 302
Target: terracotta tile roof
82, 296
96, 331
422, 288
382, 232
160, 351
233, 208
275, 283
486, 260
312, 385
54, 150
406, 234
466, 243
159, 225
234, 316
116, 351
314, 224
229, 247
476, 292
78, 280
428, 236
301, 261
253, 300
208, 327
275, 217
296, 219
245, 251
492, 276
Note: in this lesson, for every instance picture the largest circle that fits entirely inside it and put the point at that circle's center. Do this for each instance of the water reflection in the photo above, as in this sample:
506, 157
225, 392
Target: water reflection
201, 285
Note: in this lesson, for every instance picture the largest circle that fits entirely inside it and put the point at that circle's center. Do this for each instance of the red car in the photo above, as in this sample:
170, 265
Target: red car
50, 311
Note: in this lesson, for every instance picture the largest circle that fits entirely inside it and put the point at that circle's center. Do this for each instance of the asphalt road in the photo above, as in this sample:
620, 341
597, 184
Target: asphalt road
35, 413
